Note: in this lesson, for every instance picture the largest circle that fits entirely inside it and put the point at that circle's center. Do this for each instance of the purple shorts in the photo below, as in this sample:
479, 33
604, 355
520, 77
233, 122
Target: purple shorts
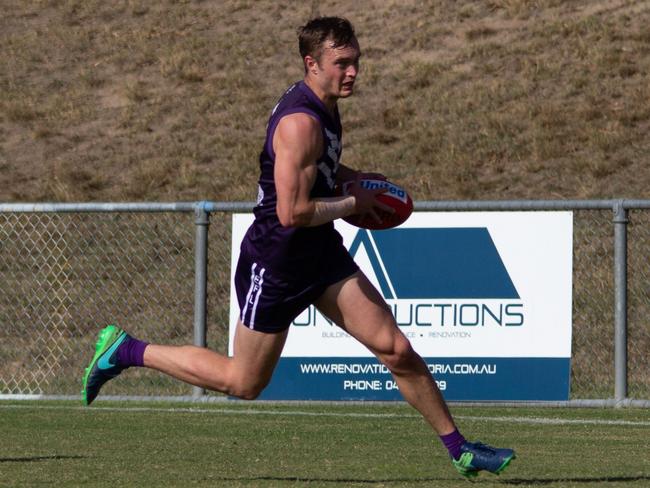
270, 301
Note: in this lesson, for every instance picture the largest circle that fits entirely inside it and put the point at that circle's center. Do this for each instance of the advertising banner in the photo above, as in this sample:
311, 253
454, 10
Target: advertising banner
484, 297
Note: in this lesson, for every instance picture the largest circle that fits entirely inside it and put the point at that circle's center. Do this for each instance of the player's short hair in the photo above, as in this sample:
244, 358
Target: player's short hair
314, 33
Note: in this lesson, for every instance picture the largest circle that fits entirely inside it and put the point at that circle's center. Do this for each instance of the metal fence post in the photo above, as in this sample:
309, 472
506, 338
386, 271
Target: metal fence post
200, 282
620, 302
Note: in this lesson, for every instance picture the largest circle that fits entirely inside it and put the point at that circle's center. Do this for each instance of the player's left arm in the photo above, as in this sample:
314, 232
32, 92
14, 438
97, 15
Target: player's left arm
297, 142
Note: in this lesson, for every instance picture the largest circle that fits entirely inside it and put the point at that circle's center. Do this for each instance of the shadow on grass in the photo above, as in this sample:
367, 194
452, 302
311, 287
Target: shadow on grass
32, 459
343, 481
514, 481
585, 480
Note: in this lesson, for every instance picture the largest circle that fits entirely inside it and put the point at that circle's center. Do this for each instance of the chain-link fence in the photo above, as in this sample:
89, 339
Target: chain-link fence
638, 348
63, 275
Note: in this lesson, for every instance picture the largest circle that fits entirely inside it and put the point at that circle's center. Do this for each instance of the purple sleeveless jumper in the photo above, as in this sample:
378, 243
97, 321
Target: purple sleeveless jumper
282, 270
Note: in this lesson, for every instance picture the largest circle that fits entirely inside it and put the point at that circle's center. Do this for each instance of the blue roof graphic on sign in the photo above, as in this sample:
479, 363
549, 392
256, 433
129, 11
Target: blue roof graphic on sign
416, 263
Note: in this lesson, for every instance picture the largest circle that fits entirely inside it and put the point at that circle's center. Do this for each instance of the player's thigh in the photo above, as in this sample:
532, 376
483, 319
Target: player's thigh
255, 353
356, 306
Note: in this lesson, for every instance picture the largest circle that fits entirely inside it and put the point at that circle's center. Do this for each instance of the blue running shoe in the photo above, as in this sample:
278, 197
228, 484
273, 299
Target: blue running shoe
476, 457
103, 366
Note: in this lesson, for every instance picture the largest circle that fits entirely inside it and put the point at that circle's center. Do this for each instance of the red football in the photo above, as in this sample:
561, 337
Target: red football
395, 197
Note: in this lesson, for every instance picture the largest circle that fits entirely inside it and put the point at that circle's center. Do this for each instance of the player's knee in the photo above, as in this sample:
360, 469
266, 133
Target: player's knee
247, 390
401, 355
246, 394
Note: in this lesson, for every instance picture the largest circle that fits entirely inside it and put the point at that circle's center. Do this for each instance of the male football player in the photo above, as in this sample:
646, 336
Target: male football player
292, 257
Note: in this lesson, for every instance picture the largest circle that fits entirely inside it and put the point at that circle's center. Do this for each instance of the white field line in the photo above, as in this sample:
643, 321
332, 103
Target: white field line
300, 413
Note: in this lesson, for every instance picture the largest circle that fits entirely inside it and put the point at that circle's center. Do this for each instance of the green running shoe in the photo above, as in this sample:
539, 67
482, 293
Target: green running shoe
103, 366
476, 457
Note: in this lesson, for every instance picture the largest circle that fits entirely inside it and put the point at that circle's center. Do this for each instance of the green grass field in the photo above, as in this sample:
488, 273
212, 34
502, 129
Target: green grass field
258, 444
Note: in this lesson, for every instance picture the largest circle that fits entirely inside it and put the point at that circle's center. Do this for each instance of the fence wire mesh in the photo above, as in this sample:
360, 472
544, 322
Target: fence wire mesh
639, 304
64, 275
592, 348
219, 245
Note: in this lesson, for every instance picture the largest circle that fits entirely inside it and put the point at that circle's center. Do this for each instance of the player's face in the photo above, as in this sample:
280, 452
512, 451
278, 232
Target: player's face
337, 70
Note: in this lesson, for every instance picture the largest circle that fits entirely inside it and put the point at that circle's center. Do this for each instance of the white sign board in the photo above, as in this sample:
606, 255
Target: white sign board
470, 288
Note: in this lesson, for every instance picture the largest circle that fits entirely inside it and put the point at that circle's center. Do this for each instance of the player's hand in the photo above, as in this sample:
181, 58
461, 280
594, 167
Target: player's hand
366, 202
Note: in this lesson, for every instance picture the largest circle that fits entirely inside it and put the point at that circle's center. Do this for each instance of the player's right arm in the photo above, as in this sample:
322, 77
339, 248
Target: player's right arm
297, 143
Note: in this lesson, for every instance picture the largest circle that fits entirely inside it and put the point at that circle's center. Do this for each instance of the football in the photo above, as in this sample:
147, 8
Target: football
395, 197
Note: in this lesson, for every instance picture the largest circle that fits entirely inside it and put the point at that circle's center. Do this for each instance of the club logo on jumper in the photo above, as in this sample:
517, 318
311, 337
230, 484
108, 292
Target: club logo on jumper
333, 151
441, 277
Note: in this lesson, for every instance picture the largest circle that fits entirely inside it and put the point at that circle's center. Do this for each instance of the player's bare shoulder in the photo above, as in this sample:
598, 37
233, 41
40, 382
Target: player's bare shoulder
299, 133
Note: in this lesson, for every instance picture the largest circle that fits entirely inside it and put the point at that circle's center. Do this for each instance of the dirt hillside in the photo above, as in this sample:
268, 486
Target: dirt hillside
504, 99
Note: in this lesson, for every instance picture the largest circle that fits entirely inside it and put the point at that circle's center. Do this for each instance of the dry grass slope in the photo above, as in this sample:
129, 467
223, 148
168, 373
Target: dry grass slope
137, 100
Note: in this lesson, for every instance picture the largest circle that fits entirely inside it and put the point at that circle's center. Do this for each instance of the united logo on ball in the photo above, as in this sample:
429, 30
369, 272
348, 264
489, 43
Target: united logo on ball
395, 196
